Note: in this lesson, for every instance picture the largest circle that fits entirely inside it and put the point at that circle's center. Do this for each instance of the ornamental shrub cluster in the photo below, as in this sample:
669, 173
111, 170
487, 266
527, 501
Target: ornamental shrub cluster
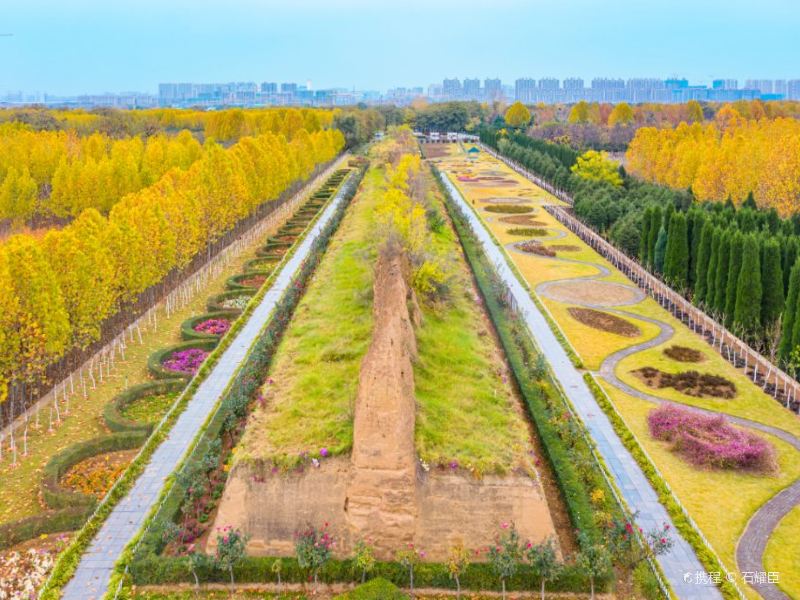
710, 440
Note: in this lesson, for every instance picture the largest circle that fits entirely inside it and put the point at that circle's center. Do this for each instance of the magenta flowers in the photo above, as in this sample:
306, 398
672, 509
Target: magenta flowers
185, 361
710, 440
213, 326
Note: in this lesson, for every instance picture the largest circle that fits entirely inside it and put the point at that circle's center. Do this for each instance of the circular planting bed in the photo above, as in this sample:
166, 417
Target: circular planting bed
527, 231
710, 440
604, 321
595, 293
691, 383
534, 247
274, 251
260, 264
513, 209
96, 475
523, 220
684, 354
182, 360
252, 279
209, 325
235, 300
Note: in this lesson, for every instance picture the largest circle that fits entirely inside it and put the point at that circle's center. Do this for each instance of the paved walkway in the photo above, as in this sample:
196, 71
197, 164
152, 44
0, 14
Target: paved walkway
681, 562
94, 570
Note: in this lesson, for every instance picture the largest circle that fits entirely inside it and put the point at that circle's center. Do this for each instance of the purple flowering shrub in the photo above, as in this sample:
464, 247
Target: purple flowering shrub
213, 326
185, 361
710, 440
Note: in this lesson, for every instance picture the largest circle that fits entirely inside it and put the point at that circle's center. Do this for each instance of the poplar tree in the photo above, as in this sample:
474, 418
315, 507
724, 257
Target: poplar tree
747, 314
734, 267
703, 256
676, 262
772, 301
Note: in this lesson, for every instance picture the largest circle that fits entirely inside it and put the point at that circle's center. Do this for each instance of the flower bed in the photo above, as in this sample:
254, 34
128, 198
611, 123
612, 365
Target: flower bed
234, 300
710, 440
181, 360
95, 475
186, 361
123, 414
533, 247
260, 264
211, 325
249, 280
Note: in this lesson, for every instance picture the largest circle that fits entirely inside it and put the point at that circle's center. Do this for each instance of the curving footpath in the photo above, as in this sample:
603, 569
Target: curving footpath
629, 478
752, 543
95, 568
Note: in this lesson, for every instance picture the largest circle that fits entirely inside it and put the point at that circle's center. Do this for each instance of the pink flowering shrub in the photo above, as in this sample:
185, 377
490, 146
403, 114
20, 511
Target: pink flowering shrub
710, 440
213, 326
185, 361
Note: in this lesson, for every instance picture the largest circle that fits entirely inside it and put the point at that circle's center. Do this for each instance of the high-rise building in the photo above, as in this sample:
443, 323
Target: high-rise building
269, 88
725, 84
525, 89
493, 89
793, 89
780, 87
765, 86
451, 88
289, 88
573, 83
472, 89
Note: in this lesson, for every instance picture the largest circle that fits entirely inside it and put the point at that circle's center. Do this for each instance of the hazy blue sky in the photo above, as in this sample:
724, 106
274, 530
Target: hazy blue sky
69, 46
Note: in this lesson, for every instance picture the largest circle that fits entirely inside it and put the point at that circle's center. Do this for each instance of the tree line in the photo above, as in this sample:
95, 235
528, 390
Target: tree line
56, 290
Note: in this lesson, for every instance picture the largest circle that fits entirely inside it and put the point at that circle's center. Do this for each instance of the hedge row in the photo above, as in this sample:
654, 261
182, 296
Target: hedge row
230, 411
112, 413
155, 360
214, 303
68, 561
709, 559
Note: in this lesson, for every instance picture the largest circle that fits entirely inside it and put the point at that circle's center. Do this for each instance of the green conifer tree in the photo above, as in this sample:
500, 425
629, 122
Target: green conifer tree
789, 313
721, 281
747, 314
772, 301
703, 256
734, 267
676, 262
660, 250
711, 273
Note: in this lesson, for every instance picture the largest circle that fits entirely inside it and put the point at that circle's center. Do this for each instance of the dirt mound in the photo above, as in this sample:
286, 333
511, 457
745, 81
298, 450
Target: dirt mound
684, 354
604, 321
523, 220
533, 247
691, 383
381, 497
512, 209
565, 248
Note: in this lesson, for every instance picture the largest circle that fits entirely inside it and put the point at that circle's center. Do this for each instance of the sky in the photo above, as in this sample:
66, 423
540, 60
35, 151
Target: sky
78, 46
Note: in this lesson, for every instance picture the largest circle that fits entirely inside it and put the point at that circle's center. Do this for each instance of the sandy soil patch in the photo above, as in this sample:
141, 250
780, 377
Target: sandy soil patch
596, 293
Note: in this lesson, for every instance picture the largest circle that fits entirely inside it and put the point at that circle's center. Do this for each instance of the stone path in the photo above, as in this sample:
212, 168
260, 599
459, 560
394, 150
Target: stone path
751, 545
94, 570
632, 483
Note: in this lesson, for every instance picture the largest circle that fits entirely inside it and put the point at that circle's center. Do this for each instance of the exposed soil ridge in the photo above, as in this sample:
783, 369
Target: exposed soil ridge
381, 501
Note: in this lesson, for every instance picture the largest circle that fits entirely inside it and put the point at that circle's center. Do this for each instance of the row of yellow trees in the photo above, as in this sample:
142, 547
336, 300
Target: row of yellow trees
60, 173
728, 157
56, 290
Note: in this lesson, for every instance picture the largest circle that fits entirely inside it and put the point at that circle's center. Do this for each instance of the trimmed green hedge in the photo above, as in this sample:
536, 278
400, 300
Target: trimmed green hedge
187, 327
375, 589
259, 264
57, 496
51, 521
234, 282
167, 570
710, 561
214, 303
112, 412
156, 358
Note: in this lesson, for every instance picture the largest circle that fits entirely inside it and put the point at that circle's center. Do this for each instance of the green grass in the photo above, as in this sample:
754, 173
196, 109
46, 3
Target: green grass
782, 555
149, 409
310, 403
467, 412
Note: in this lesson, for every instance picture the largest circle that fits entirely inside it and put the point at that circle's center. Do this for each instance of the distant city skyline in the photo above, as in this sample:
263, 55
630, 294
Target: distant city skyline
548, 90
88, 46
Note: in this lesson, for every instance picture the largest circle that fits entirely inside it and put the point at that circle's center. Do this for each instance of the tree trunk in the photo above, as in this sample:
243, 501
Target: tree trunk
542, 588
591, 583
231, 572
458, 589
411, 577
196, 584
503, 584
363, 575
